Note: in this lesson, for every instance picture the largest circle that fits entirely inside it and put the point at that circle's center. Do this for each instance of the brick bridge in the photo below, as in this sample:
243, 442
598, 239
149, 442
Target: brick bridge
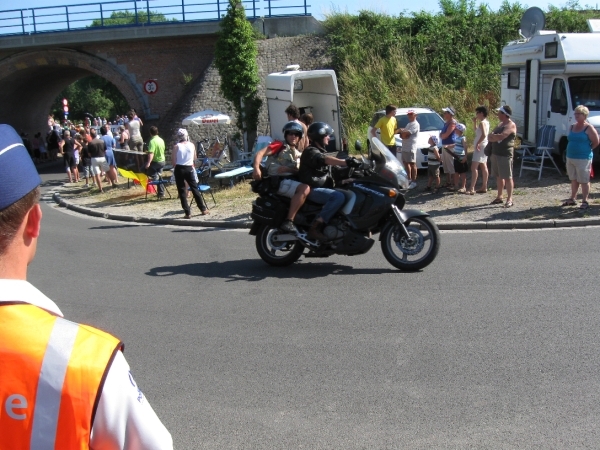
35, 68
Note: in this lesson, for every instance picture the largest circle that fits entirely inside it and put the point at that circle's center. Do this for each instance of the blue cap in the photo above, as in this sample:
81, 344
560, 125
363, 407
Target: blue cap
18, 175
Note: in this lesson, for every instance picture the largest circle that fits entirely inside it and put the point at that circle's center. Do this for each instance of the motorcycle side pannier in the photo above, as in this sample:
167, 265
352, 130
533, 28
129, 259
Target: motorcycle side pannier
269, 211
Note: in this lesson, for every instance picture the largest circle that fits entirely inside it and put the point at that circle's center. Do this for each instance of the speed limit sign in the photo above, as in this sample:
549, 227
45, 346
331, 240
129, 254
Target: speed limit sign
151, 87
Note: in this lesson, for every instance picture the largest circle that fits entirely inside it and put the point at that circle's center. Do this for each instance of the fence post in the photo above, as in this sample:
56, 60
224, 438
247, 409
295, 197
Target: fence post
148, 10
101, 16
183, 9
269, 2
67, 14
305, 10
135, 11
33, 20
22, 22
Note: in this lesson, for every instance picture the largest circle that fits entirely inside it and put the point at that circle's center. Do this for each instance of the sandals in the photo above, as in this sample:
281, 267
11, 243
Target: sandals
481, 191
569, 202
461, 191
584, 206
470, 192
508, 204
497, 201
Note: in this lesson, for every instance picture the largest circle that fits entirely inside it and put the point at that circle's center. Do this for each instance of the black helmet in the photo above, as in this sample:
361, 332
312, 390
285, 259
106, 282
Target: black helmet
293, 127
318, 130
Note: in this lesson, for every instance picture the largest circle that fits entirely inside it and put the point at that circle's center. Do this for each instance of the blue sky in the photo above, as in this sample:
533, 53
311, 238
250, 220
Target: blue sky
317, 9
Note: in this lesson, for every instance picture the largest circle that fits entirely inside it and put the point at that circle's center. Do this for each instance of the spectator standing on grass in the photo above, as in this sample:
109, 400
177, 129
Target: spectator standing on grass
388, 127
503, 148
183, 155
123, 138
64, 385
134, 125
409, 135
86, 161
109, 141
447, 137
156, 158
433, 165
97, 149
479, 161
583, 138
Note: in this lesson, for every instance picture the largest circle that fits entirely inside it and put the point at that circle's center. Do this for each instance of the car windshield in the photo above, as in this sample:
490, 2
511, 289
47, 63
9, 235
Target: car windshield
427, 121
585, 91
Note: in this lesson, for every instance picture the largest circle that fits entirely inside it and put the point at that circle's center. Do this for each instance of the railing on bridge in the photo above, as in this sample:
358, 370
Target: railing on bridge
123, 13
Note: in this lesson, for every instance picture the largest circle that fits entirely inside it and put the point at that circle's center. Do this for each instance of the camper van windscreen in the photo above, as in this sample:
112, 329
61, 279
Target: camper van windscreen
585, 91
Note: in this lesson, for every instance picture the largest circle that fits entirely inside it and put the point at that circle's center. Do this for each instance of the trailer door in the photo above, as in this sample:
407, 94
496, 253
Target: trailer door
532, 78
558, 109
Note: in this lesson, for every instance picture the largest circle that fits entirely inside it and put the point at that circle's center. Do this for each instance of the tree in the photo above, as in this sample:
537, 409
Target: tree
93, 95
235, 59
128, 18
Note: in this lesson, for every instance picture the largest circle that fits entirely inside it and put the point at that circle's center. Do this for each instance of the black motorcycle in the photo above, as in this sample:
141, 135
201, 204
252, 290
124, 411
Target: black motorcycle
410, 240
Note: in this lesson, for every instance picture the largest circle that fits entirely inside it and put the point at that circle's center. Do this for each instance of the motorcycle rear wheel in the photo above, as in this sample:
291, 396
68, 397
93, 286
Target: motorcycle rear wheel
415, 252
276, 253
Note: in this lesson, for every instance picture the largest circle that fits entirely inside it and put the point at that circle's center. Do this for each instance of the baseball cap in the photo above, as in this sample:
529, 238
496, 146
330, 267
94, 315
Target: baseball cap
411, 111
435, 140
17, 171
461, 127
450, 110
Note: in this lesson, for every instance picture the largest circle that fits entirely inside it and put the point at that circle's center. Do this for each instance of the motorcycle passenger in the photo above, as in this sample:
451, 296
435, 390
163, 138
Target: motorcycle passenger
315, 171
284, 163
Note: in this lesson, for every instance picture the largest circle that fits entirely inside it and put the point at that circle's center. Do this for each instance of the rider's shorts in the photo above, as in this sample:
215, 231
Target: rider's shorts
288, 187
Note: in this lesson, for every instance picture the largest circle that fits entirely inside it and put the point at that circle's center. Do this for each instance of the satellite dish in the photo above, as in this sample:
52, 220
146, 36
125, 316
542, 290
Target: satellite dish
533, 20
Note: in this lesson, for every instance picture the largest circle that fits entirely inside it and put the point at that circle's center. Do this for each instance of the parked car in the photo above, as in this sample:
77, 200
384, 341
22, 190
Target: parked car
430, 122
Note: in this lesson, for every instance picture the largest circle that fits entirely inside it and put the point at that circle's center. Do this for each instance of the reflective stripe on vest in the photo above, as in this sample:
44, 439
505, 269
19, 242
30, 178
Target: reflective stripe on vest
52, 372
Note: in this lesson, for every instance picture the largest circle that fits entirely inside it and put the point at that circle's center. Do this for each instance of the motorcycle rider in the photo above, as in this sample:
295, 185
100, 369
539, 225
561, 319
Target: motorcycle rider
283, 161
315, 171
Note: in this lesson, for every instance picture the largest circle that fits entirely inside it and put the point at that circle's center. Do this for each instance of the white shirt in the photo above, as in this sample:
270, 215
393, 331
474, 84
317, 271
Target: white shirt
185, 154
124, 418
410, 144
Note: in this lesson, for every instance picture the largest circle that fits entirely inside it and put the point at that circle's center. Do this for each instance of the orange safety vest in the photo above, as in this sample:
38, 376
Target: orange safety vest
51, 376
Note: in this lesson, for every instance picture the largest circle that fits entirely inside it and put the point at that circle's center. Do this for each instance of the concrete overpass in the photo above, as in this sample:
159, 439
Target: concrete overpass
35, 68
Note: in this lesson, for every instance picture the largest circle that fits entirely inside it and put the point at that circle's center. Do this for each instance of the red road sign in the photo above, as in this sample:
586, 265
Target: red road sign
151, 87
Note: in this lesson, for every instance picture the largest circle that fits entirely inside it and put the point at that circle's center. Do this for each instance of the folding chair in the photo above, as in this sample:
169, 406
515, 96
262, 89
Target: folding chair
160, 181
534, 155
203, 186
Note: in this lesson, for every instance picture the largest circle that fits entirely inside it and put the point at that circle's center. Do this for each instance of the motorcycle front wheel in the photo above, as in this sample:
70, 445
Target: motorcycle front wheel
276, 253
417, 250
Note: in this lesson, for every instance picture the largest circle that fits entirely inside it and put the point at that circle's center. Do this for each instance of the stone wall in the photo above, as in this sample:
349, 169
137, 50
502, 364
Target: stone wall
273, 56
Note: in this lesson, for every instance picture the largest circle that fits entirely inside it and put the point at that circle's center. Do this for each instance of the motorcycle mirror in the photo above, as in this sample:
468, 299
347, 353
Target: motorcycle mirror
358, 145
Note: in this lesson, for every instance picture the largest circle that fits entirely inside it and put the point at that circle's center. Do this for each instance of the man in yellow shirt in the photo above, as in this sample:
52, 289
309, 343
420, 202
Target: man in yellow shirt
388, 126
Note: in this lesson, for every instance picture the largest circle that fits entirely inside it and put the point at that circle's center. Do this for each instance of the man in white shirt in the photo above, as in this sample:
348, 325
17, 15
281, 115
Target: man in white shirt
409, 135
64, 385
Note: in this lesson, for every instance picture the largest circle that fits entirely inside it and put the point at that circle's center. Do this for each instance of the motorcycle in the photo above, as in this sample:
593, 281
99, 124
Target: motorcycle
410, 240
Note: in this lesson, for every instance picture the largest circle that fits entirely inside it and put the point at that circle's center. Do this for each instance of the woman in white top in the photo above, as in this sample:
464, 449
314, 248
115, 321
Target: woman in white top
482, 128
136, 142
183, 155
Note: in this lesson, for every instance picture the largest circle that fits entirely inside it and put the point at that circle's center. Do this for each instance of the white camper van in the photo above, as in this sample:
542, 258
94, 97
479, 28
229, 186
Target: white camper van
312, 91
546, 75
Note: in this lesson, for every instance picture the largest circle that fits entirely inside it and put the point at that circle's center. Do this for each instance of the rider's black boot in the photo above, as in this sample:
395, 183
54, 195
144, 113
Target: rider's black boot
315, 231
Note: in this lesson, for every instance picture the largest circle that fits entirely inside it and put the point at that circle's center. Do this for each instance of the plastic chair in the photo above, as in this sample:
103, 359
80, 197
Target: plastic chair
160, 181
534, 155
203, 186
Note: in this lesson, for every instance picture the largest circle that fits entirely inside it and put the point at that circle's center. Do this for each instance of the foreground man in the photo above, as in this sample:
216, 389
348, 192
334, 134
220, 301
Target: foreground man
64, 385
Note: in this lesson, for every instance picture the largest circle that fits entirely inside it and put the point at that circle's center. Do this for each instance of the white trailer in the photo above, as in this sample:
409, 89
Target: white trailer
548, 74
312, 91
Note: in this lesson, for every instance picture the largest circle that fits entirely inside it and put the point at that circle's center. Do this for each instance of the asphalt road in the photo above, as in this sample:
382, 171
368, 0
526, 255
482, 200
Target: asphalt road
493, 346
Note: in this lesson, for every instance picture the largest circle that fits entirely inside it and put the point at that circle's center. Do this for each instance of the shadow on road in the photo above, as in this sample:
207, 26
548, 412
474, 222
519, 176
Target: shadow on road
256, 270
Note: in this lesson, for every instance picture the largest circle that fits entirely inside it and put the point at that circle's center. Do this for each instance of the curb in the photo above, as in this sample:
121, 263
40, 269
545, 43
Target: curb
246, 224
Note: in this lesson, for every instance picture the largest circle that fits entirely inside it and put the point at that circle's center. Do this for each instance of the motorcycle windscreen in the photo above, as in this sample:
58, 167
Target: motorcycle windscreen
387, 165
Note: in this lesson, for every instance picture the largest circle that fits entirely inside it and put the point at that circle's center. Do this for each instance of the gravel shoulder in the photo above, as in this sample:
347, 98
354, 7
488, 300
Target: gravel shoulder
533, 200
